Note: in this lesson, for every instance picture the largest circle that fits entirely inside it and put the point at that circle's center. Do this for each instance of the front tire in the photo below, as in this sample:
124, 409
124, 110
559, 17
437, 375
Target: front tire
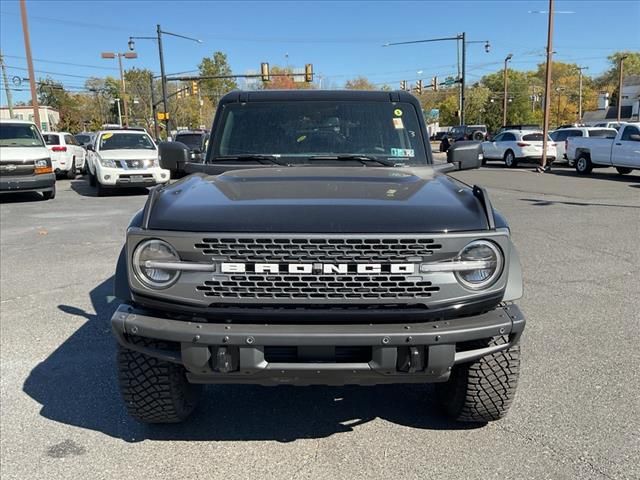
153, 390
583, 164
71, 174
510, 159
92, 179
50, 195
482, 391
623, 170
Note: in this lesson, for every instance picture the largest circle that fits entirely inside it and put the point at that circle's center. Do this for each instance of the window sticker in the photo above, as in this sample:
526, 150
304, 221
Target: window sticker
402, 152
107, 135
397, 123
397, 112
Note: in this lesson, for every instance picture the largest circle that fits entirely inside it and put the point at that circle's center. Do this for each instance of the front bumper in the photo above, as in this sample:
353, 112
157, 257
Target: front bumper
239, 353
116, 177
28, 183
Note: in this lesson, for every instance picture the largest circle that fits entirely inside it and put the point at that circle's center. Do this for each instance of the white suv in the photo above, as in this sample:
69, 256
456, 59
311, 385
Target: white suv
124, 158
67, 156
513, 146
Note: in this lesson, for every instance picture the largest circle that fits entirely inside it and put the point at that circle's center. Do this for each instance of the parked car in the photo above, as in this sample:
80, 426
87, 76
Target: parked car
316, 261
468, 132
195, 140
622, 152
514, 146
530, 127
615, 125
438, 136
25, 162
85, 138
561, 135
67, 156
124, 158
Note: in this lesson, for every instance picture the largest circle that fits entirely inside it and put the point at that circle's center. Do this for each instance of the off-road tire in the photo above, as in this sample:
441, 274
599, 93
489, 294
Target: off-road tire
482, 391
71, 174
477, 136
583, 164
154, 390
623, 170
50, 195
510, 160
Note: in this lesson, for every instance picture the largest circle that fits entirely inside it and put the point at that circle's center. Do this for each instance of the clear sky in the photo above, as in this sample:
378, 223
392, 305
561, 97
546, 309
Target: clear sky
341, 39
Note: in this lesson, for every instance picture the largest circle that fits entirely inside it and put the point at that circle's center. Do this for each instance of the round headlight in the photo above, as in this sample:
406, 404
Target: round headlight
146, 254
488, 261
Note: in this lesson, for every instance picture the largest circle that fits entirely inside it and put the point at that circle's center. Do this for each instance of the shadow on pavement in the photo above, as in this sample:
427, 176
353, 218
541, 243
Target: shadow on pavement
77, 385
600, 175
539, 202
21, 197
81, 187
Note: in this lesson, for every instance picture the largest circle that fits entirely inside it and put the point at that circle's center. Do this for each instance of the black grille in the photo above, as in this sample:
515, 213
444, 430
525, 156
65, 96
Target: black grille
318, 249
317, 287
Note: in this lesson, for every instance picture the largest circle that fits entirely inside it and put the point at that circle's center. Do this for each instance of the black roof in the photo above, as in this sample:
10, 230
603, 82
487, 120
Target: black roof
318, 95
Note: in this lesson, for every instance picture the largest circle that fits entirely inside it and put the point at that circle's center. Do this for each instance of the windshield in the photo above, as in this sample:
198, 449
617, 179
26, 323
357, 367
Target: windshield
191, 140
19, 135
51, 139
303, 129
83, 139
126, 141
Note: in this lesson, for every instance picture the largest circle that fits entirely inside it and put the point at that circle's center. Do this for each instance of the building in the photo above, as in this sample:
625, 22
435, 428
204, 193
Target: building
630, 104
49, 117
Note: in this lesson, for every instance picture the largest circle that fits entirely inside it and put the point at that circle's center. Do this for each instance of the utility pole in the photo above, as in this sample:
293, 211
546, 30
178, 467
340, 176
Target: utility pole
123, 88
153, 109
620, 88
547, 85
32, 75
506, 81
580, 69
462, 80
6, 86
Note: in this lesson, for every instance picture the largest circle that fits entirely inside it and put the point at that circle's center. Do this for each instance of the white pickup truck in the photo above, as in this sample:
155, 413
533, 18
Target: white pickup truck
622, 152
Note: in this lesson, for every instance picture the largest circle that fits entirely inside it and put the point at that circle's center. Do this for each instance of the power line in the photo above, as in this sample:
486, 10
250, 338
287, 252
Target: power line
64, 63
53, 73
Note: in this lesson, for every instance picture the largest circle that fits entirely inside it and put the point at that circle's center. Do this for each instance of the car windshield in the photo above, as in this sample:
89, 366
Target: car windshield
191, 140
303, 129
126, 141
83, 139
19, 135
51, 139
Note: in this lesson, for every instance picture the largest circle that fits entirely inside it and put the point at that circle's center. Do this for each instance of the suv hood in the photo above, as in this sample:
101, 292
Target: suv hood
128, 154
318, 200
23, 154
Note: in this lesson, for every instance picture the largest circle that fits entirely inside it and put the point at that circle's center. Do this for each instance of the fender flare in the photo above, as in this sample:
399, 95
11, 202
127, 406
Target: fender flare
514, 289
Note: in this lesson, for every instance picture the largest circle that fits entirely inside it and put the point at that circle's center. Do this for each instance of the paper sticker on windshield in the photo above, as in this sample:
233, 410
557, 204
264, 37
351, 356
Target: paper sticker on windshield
402, 152
397, 123
397, 112
107, 135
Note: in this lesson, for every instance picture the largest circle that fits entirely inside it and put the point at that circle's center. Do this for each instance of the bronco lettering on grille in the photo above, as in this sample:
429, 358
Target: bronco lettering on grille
323, 268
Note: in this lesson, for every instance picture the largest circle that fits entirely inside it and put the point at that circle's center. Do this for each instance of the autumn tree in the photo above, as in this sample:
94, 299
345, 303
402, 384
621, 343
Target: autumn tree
215, 88
359, 83
608, 82
283, 78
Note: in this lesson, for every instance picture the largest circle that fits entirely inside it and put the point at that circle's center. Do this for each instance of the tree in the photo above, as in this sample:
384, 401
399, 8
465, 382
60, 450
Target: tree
54, 95
282, 78
215, 88
608, 82
359, 83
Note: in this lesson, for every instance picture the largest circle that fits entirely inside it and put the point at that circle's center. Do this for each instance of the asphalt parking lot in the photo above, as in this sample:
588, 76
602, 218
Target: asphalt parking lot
576, 414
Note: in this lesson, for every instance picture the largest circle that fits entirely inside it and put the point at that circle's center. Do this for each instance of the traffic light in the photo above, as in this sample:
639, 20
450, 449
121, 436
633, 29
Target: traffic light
434, 84
308, 73
419, 87
403, 84
194, 88
264, 71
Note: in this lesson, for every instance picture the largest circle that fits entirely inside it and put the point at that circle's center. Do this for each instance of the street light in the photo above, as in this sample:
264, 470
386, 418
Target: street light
461, 37
129, 55
580, 69
158, 38
504, 101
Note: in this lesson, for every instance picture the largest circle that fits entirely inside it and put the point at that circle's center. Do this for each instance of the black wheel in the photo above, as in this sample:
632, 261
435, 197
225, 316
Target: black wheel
623, 170
155, 391
71, 174
583, 164
478, 136
92, 179
482, 391
510, 159
101, 190
49, 195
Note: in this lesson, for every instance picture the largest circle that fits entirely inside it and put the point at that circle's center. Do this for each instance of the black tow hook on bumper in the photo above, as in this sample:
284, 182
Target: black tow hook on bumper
318, 354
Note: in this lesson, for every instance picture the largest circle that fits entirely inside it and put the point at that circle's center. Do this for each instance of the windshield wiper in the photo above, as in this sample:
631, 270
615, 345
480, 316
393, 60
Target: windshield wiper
364, 159
252, 156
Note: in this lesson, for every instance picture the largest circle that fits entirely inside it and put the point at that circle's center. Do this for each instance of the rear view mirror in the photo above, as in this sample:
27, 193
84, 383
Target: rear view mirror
173, 155
465, 154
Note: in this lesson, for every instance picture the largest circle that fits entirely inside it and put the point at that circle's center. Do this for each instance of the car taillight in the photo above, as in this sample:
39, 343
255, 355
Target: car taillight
58, 149
522, 144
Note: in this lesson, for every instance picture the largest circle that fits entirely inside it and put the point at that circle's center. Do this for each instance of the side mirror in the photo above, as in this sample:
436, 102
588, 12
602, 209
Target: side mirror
465, 154
634, 137
89, 147
173, 155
